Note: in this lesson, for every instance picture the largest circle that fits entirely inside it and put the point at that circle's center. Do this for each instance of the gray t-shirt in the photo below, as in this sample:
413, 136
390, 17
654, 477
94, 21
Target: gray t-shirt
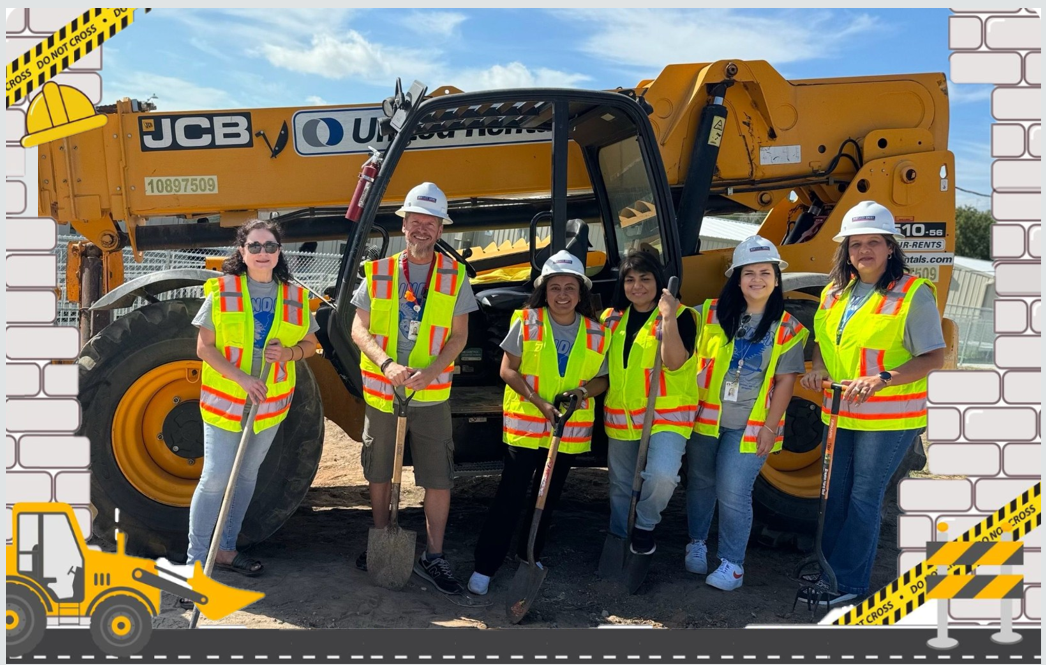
263, 306
565, 337
922, 328
748, 368
416, 274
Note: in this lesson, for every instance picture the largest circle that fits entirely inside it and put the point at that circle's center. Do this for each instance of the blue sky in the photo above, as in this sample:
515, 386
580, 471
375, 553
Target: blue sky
243, 58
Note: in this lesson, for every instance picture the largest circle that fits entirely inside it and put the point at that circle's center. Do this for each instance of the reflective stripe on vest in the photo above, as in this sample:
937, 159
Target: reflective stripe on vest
715, 353
675, 403
383, 284
872, 341
222, 400
523, 424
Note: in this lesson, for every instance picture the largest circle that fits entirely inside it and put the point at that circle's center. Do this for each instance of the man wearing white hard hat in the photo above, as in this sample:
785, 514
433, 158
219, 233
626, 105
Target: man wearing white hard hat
878, 332
411, 323
750, 353
555, 345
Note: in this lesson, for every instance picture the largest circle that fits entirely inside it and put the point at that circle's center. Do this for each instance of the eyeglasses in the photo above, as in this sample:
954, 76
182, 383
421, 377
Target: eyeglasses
743, 331
270, 247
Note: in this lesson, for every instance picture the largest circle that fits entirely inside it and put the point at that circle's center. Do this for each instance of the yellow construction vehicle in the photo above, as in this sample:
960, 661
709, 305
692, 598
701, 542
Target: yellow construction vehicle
55, 581
595, 172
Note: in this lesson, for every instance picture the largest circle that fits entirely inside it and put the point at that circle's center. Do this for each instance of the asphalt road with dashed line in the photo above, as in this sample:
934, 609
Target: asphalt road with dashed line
793, 645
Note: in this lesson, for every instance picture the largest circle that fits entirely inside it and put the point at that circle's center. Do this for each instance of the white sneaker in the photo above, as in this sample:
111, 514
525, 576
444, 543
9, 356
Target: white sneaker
696, 557
727, 577
479, 584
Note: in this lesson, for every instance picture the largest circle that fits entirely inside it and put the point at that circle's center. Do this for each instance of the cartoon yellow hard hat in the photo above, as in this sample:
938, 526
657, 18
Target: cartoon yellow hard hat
57, 112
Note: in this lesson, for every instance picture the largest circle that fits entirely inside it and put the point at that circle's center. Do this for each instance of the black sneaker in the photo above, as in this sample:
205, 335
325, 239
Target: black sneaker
642, 541
439, 573
361, 561
821, 595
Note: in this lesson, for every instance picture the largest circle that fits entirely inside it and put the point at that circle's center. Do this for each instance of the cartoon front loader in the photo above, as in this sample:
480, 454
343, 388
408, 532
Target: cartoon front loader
54, 580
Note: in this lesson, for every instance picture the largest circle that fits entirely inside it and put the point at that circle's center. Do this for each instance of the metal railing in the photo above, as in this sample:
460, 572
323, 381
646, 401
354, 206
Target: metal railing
316, 271
976, 333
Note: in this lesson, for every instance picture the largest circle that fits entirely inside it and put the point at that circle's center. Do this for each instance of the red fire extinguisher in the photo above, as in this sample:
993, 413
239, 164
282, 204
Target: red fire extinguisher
368, 172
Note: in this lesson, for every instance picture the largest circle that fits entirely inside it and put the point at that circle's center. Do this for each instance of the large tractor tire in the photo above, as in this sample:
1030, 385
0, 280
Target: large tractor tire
140, 391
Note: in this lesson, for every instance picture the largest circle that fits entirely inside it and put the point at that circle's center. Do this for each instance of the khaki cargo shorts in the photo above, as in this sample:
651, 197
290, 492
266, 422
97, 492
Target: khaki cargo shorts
431, 445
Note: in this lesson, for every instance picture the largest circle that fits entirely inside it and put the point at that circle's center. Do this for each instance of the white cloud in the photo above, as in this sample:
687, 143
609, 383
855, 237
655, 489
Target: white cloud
966, 93
651, 39
315, 100
433, 24
350, 56
172, 94
515, 75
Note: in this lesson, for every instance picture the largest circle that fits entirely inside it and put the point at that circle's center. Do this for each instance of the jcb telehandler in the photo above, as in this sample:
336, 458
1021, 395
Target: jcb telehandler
598, 171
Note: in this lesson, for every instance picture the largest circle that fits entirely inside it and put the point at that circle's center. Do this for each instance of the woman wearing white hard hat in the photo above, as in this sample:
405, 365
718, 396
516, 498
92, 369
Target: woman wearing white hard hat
878, 332
750, 353
642, 311
554, 346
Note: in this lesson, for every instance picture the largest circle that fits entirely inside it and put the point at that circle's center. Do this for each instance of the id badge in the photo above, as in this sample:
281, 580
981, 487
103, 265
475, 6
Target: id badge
412, 330
730, 390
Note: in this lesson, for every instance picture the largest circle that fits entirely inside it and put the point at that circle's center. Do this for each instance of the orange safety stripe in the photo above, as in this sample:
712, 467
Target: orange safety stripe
381, 279
280, 372
662, 388
533, 325
712, 316
292, 305
891, 302
234, 354
231, 295
873, 361
275, 406
437, 337
705, 369
713, 410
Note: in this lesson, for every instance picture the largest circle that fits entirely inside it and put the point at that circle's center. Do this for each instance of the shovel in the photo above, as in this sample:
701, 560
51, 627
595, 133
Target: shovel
390, 551
617, 563
814, 574
528, 579
230, 489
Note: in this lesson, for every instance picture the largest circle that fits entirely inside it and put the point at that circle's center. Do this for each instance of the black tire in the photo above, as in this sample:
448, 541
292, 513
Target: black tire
121, 625
26, 620
781, 519
110, 363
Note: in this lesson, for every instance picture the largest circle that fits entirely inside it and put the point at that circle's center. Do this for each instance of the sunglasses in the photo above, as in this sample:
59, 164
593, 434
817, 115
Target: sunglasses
270, 247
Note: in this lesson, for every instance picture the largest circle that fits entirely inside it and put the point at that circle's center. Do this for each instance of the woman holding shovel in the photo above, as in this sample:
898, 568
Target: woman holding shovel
643, 310
555, 346
750, 353
878, 333
252, 317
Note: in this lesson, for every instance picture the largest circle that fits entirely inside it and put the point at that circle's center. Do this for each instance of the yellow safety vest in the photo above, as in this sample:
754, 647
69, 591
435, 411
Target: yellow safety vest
624, 409
523, 424
871, 342
715, 352
383, 279
222, 400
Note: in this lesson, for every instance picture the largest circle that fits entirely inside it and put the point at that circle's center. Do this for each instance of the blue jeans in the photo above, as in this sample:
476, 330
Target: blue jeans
717, 470
862, 465
219, 451
660, 477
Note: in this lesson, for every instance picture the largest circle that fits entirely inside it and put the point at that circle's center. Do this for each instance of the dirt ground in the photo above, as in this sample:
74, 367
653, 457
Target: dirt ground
311, 581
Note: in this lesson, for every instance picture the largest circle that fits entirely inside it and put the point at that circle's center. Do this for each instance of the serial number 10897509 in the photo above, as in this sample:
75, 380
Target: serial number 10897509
194, 184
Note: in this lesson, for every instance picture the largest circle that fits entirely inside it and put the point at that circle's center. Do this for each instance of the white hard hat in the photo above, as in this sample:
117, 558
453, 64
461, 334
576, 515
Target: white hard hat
562, 263
868, 217
426, 199
755, 249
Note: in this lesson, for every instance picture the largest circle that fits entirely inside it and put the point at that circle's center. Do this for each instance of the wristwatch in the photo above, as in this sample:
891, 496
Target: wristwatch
584, 392
886, 377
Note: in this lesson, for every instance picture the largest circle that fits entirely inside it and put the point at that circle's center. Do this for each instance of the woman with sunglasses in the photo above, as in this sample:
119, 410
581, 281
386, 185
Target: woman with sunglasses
750, 353
252, 315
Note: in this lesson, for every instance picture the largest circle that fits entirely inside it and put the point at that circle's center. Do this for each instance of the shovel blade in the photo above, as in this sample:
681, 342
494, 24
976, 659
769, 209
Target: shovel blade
525, 588
390, 556
612, 559
635, 570
220, 600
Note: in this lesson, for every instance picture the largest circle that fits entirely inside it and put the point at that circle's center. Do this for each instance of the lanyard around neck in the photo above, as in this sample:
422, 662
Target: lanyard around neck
419, 303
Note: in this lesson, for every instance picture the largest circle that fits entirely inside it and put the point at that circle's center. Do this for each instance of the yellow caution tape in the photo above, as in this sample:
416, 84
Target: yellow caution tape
68, 44
908, 592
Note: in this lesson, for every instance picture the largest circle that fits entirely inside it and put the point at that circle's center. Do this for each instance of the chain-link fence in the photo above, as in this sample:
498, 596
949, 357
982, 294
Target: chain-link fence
313, 270
976, 333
